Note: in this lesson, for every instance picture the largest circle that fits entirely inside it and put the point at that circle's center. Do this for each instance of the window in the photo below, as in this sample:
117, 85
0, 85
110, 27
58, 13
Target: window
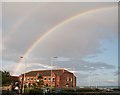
67, 84
67, 79
70, 79
49, 79
46, 85
53, 80
45, 79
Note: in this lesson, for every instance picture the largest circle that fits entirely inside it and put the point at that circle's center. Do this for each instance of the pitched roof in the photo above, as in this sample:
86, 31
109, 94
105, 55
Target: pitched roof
57, 72
14, 78
31, 73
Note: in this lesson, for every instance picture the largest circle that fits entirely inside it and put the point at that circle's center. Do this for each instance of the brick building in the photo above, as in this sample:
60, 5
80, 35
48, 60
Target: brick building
14, 79
57, 78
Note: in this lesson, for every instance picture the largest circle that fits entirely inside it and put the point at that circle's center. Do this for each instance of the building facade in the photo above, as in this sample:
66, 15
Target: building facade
55, 78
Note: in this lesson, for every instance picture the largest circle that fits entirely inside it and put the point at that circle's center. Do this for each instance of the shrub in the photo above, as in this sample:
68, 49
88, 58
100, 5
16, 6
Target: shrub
36, 91
69, 90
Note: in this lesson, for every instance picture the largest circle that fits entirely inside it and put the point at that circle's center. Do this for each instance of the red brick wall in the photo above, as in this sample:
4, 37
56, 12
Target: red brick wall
32, 79
67, 80
48, 82
74, 81
57, 81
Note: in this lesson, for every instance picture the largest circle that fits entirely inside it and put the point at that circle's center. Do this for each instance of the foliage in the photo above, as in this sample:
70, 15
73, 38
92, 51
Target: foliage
40, 77
6, 80
116, 89
69, 89
0, 78
36, 91
34, 85
40, 83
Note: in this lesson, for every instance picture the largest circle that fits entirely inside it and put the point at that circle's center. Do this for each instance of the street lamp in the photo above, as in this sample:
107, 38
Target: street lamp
52, 59
96, 84
23, 88
90, 73
102, 78
89, 79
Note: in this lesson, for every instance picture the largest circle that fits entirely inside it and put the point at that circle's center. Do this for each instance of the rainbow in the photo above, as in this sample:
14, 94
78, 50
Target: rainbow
53, 29
20, 22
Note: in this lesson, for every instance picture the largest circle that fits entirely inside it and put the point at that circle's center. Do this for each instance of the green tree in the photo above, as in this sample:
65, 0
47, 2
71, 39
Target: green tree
40, 81
0, 78
40, 77
5, 76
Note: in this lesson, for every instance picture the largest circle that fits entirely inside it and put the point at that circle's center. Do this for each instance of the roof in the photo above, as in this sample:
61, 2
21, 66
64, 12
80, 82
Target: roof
14, 78
57, 72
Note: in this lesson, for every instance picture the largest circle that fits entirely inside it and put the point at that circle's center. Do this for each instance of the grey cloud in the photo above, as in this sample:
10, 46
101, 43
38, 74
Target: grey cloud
43, 20
85, 66
78, 41
72, 41
116, 73
75, 64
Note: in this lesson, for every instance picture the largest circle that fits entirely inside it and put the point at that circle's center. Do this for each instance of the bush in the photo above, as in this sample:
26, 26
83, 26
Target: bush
116, 89
36, 91
69, 90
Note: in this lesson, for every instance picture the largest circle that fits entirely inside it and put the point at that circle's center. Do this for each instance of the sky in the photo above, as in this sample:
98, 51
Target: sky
83, 36
60, 0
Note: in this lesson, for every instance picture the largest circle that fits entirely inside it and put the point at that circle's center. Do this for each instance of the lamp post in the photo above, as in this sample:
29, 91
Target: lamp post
96, 84
89, 79
90, 73
52, 59
23, 88
102, 79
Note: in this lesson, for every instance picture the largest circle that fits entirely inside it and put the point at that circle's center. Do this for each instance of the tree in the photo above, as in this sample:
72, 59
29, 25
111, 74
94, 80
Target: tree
40, 81
40, 77
6, 80
0, 78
